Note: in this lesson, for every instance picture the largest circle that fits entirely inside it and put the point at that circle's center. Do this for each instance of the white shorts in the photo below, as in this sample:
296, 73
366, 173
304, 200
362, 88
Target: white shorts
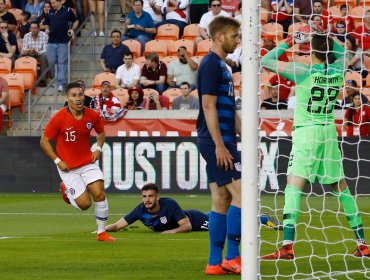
77, 179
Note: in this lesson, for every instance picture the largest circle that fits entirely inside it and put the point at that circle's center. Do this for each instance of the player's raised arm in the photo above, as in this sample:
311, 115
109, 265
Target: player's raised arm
184, 226
120, 224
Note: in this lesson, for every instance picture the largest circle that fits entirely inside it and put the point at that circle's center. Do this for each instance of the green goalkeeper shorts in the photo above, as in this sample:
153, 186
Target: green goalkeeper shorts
315, 154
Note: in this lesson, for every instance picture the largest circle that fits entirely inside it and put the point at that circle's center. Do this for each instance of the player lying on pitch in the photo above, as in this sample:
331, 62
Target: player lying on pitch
166, 216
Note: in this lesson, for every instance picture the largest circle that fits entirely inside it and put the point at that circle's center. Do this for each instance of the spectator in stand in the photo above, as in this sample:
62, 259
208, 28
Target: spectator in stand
238, 98
282, 13
18, 4
186, 101
41, 18
34, 7
62, 23
235, 60
352, 87
175, 12
153, 7
128, 74
357, 117
136, 98
340, 32
268, 45
197, 9
8, 17
183, 69
24, 26
230, 6
356, 57
34, 44
140, 25
112, 54
8, 42
316, 19
123, 17
97, 5
349, 23
302, 10
156, 102
284, 86
238, 17
318, 9
154, 73
107, 104
4, 93
274, 102
362, 33
80, 11
215, 6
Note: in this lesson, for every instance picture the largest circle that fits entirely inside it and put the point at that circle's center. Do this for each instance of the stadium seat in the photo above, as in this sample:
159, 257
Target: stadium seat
140, 61
27, 67
305, 59
358, 14
16, 91
122, 95
204, 47
172, 93
173, 47
264, 79
168, 32
366, 92
168, 59
350, 3
198, 59
354, 76
194, 93
158, 46
17, 13
294, 27
264, 15
367, 80
91, 92
273, 31
134, 46
5, 65
335, 12
237, 78
191, 32
105, 76
364, 3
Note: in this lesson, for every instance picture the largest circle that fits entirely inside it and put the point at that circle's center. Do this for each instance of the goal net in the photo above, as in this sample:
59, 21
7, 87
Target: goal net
324, 241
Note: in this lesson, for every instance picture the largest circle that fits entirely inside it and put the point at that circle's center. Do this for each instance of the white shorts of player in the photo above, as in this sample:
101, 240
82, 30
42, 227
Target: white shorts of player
77, 179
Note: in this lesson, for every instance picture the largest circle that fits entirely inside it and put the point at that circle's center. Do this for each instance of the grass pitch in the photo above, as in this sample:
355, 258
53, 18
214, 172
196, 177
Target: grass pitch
41, 237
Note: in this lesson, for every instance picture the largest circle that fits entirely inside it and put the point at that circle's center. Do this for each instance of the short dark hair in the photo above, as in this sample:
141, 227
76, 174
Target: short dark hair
343, 6
318, 1
321, 46
26, 15
222, 24
152, 56
35, 22
72, 85
141, 1
128, 53
352, 40
210, 2
150, 186
185, 83
116, 31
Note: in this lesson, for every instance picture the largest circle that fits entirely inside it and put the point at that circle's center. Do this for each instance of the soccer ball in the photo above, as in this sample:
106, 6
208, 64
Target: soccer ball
302, 35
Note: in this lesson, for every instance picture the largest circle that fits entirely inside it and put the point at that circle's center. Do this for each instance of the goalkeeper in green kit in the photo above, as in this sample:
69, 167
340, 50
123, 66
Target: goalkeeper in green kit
315, 153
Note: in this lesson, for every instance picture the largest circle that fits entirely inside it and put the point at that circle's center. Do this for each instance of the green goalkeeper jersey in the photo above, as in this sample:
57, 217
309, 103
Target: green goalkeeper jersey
317, 86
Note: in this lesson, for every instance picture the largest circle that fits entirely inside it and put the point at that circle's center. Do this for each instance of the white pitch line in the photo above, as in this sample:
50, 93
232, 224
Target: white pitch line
56, 214
117, 238
338, 273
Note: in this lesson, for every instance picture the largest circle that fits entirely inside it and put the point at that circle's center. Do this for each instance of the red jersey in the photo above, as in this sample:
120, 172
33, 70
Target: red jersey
326, 19
230, 6
360, 120
72, 136
362, 34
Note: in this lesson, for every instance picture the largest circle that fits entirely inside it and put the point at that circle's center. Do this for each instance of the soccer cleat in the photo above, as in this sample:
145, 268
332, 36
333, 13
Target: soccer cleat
284, 253
362, 251
271, 222
103, 236
238, 259
63, 189
215, 270
232, 266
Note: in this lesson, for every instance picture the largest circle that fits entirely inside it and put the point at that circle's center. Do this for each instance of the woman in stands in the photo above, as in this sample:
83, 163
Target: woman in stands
357, 117
41, 18
356, 57
136, 99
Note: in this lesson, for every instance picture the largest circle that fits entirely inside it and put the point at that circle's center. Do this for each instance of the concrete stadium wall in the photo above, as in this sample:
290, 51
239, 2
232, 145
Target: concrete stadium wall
171, 162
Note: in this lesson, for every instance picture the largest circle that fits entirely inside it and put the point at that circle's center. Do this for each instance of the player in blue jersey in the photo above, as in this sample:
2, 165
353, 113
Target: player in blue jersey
217, 126
162, 214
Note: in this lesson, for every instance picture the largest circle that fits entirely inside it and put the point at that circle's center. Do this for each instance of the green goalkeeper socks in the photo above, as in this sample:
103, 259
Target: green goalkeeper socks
291, 211
351, 210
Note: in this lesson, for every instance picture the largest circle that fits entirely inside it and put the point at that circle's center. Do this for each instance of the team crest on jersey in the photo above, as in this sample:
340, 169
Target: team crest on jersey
89, 125
72, 191
163, 220
238, 166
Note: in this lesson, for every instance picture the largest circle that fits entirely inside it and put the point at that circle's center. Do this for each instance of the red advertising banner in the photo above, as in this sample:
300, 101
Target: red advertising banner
269, 127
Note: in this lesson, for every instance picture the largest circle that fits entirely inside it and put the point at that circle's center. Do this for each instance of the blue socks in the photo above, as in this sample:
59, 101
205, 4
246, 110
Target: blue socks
217, 235
233, 220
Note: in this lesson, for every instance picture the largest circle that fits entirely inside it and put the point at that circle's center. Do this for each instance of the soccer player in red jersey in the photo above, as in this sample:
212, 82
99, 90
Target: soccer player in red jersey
70, 128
